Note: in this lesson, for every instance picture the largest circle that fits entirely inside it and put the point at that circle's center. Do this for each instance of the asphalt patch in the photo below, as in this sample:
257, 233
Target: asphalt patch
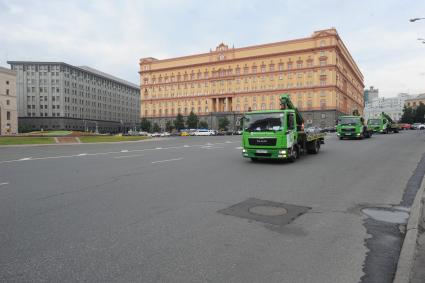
386, 240
265, 211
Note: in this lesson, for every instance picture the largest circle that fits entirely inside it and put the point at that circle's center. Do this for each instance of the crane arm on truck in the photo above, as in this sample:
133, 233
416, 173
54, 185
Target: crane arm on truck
286, 103
387, 117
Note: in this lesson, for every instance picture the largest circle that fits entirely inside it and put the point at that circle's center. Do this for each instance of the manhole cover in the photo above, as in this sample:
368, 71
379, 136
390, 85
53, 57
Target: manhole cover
268, 210
265, 211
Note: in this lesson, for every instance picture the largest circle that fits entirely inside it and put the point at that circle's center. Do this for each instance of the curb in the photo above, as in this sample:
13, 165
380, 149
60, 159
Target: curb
407, 253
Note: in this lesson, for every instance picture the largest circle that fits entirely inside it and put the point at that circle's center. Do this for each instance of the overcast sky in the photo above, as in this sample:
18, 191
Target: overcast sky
113, 35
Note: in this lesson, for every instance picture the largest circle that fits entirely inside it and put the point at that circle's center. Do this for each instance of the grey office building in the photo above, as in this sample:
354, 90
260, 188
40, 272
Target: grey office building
56, 95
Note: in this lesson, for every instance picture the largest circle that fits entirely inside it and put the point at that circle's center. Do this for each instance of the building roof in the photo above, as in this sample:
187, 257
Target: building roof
7, 71
81, 68
419, 96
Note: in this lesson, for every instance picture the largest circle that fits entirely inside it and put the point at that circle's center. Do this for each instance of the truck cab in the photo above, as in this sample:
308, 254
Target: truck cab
352, 127
378, 125
269, 134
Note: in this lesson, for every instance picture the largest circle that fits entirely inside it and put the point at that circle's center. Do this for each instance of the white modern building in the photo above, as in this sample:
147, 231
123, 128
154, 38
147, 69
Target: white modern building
393, 106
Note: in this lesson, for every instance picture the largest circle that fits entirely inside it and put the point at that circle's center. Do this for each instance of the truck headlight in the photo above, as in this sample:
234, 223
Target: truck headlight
282, 151
243, 150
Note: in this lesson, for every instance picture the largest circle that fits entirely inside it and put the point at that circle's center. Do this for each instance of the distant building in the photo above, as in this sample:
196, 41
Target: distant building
415, 101
370, 94
393, 106
318, 72
56, 95
8, 107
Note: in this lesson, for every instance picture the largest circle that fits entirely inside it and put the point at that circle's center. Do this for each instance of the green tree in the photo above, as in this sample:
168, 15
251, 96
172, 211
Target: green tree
169, 127
192, 121
407, 116
223, 123
179, 122
203, 125
145, 125
419, 113
155, 127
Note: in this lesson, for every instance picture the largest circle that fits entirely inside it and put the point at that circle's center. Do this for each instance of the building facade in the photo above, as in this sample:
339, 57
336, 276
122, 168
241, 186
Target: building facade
56, 95
318, 72
370, 94
393, 106
415, 101
8, 106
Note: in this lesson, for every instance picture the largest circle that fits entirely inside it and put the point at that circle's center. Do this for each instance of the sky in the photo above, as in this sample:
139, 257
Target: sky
112, 36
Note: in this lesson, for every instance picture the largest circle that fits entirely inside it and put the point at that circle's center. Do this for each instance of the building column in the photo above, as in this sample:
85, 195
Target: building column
217, 105
226, 105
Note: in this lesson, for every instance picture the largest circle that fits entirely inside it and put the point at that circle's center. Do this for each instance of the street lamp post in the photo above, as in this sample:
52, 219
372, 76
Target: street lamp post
416, 19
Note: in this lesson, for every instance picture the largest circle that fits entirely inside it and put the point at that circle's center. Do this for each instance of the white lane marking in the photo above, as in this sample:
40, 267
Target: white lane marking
128, 156
167, 160
100, 153
5, 183
228, 142
239, 147
208, 143
124, 150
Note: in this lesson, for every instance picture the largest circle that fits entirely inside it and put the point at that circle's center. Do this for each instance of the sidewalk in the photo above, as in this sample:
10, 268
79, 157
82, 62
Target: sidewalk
418, 272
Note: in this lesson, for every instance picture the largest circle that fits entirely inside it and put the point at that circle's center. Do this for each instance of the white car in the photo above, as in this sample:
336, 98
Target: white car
418, 126
204, 132
165, 134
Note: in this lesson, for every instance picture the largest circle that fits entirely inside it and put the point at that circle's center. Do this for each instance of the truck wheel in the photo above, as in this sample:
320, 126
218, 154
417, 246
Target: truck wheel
254, 159
294, 154
314, 148
340, 138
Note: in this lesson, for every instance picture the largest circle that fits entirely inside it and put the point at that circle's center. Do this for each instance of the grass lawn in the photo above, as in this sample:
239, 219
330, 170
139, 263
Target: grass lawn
25, 140
88, 139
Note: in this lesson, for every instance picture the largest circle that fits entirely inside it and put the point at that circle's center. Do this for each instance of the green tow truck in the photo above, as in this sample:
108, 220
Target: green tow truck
384, 124
278, 134
352, 127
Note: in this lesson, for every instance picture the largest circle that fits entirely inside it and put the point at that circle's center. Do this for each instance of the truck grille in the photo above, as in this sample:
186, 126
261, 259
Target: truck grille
262, 141
348, 130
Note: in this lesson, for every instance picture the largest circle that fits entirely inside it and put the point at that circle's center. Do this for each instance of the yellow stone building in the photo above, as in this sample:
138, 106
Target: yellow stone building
317, 71
415, 101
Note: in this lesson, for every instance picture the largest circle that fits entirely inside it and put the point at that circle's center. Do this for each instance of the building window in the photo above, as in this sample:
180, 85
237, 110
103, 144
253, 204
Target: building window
7, 82
7, 91
323, 115
7, 115
8, 102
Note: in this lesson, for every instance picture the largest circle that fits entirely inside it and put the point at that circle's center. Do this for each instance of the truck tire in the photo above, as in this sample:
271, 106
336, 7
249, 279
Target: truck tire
314, 147
295, 154
340, 138
254, 159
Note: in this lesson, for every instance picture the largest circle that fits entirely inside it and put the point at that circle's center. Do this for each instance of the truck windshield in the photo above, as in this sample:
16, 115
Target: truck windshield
374, 121
348, 120
263, 122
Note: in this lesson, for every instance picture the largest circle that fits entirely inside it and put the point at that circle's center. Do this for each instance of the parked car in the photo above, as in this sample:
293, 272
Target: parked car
405, 126
184, 134
418, 126
165, 134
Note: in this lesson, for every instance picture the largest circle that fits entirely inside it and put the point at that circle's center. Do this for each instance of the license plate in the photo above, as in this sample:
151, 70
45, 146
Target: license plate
261, 151
348, 134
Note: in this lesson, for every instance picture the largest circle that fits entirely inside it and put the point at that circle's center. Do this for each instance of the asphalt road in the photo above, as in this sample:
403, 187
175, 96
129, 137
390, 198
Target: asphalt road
148, 211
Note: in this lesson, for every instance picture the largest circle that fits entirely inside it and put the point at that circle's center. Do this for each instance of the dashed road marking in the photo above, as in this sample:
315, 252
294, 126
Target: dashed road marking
128, 156
239, 147
82, 154
124, 150
4, 183
25, 158
167, 160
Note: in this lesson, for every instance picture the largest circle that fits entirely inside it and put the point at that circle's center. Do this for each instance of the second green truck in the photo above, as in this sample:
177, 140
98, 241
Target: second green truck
383, 124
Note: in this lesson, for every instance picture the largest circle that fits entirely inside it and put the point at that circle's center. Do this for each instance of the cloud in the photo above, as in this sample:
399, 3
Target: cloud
113, 35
